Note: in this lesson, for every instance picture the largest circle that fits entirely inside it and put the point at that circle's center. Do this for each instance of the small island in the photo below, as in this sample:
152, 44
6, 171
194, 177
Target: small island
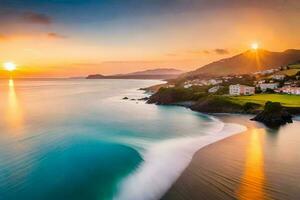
159, 73
95, 76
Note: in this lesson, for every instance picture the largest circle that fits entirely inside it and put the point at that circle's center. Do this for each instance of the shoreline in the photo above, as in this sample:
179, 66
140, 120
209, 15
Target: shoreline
242, 119
236, 167
170, 158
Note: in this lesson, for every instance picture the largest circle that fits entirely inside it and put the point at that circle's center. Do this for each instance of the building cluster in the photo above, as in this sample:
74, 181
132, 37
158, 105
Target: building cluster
201, 82
210, 82
266, 72
276, 84
279, 84
289, 90
237, 90
270, 80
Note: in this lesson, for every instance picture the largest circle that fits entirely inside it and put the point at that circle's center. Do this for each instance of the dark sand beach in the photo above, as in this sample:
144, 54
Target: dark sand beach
257, 164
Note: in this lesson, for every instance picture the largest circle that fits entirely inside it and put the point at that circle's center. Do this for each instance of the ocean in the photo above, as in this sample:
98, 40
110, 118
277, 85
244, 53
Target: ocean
78, 139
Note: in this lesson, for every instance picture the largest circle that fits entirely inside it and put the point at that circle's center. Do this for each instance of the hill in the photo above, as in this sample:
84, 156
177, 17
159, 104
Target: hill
247, 62
160, 73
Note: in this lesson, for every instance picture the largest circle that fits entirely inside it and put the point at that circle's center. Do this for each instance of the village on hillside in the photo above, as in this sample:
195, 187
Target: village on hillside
240, 93
284, 80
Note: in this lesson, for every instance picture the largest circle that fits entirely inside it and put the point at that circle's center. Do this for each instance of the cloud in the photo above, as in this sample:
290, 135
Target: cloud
56, 35
30, 37
218, 51
36, 18
221, 51
197, 52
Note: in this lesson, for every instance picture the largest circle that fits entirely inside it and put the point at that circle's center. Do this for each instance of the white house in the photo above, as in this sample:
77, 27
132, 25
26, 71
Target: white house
170, 86
265, 86
214, 89
288, 83
261, 81
188, 85
278, 77
238, 89
269, 71
227, 77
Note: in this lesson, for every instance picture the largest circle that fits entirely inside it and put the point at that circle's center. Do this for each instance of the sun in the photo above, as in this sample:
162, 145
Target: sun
254, 46
9, 66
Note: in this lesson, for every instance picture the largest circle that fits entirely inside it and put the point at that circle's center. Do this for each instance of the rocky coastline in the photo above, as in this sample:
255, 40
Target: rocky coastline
273, 114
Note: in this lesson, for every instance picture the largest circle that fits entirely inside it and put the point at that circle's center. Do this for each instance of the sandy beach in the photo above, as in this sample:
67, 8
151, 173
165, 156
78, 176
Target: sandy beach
257, 164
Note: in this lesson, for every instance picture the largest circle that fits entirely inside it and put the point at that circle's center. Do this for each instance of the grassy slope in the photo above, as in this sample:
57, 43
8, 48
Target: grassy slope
296, 66
284, 99
292, 72
289, 72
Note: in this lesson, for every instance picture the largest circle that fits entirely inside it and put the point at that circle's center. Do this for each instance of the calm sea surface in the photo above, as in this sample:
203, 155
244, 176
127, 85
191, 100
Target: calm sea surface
77, 139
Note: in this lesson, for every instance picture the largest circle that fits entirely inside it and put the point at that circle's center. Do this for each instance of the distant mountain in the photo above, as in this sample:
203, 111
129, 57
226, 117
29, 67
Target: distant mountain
160, 73
247, 62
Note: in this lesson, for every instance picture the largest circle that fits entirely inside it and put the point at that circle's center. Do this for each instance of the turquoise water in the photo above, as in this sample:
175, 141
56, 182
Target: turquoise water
77, 139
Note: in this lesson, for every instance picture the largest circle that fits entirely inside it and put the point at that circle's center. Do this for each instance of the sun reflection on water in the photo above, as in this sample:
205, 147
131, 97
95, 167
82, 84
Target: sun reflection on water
253, 179
14, 115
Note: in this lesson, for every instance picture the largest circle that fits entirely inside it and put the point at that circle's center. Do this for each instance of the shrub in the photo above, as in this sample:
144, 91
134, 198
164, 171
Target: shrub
249, 106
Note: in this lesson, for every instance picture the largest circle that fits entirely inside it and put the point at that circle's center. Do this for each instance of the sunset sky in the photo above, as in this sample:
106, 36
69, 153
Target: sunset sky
62, 38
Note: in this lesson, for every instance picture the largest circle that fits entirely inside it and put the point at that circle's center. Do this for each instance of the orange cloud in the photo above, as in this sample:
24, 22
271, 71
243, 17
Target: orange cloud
33, 36
221, 51
218, 51
56, 35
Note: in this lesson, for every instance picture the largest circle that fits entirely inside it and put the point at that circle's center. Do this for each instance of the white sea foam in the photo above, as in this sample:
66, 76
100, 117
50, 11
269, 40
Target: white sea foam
165, 161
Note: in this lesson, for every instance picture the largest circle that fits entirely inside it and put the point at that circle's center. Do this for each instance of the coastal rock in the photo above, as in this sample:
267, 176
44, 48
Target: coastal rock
144, 99
95, 76
273, 115
200, 102
162, 97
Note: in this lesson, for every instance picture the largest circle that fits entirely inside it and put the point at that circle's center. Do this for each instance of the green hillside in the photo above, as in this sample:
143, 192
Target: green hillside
295, 66
289, 72
285, 99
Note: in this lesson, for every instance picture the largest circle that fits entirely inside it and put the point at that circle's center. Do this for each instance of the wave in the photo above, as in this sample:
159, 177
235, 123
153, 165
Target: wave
165, 161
